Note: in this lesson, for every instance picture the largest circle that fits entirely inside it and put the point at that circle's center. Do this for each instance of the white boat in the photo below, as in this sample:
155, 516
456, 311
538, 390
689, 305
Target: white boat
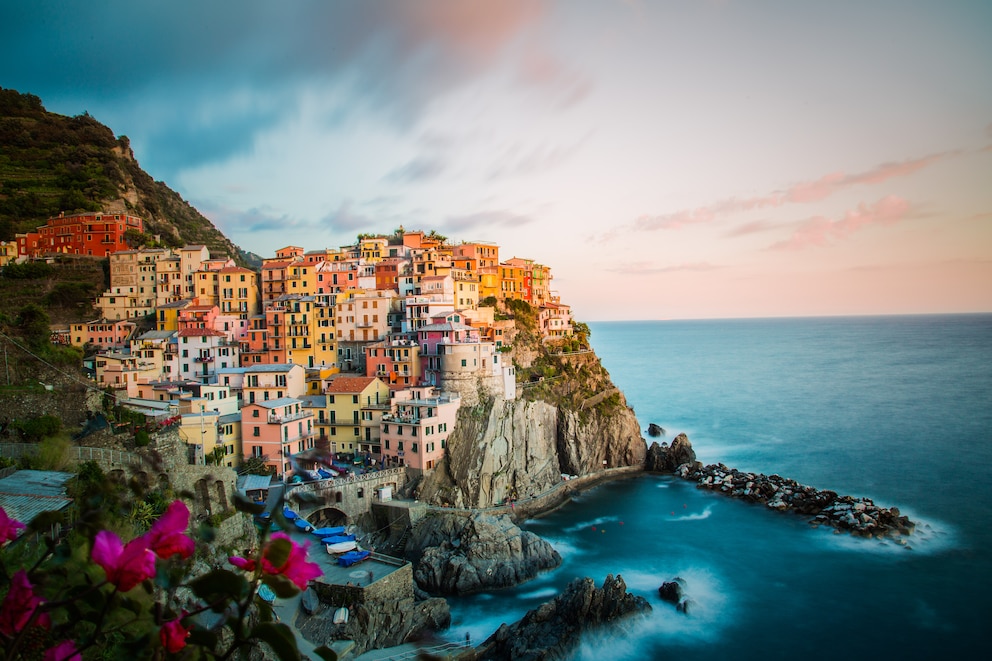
342, 547
341, 616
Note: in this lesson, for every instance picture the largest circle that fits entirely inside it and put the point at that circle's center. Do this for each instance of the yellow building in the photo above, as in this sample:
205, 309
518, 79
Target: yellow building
238, 292
511, 281
353, 410
8, 252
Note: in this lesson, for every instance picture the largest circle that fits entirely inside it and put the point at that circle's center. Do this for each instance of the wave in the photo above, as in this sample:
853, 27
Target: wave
599, 521
712, 609
929, 538
695, 516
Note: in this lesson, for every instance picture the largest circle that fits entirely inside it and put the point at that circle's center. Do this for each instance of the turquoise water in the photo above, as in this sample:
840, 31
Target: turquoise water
898, 409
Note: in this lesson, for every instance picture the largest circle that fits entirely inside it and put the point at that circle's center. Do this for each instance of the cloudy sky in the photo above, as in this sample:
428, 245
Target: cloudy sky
684, 159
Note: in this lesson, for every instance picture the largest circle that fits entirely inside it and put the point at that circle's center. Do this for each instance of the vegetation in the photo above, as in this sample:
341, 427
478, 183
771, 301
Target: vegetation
50, 163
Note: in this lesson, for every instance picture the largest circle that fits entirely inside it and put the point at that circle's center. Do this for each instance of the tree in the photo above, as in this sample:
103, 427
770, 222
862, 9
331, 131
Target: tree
34, 325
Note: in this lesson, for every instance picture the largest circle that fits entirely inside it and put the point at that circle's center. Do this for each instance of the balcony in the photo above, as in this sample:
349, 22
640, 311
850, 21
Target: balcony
204, 359
279, 419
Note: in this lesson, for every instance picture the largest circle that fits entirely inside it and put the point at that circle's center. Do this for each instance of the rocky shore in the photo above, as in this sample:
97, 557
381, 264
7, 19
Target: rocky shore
457, 554
859, 516
554, 629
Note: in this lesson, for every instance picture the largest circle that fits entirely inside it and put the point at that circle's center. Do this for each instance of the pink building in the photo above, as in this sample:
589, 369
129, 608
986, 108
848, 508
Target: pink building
415, 432
276, 429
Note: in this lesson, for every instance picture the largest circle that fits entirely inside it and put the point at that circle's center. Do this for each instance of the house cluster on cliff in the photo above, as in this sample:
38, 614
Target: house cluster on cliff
366, 350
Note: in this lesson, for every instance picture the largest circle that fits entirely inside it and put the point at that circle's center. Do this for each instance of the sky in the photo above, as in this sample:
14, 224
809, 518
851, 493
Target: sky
668, 159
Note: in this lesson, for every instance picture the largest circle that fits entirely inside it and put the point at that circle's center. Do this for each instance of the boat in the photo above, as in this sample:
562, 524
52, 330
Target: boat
328, 531
289, 514
337, 538
353, 557
309, 601
266, 594
303, 525
342, 547
341, 616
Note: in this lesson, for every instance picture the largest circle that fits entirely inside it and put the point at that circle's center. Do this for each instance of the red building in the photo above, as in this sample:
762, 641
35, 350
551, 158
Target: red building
95, 234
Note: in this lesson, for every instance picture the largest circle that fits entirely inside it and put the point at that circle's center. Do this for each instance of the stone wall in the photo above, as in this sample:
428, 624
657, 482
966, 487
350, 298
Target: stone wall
392, 587
352, 496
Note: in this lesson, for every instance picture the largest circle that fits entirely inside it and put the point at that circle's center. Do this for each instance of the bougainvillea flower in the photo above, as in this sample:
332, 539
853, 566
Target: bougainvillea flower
173, 635
242, 563
168, 535
8, 527
64, 651
296, 568
19, 606
125, 565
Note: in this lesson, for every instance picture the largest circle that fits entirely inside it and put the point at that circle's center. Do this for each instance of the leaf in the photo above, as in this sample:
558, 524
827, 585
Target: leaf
282, 586
326, 653
280, 638
203, 638
243, 504
277, 551
45, 521
221, 586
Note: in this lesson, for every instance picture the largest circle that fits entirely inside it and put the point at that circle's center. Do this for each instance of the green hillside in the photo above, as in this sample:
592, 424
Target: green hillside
50, 163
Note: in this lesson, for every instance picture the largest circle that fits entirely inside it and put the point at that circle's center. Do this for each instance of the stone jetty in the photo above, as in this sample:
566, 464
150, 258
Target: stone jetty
858, 516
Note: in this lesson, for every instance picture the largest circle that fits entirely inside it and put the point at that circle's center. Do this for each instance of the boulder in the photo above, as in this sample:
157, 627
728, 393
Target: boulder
458, 554
554, 629
671, 591
655, 430
667, 459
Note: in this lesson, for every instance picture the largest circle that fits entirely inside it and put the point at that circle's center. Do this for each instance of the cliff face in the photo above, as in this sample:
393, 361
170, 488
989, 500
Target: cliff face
513, 449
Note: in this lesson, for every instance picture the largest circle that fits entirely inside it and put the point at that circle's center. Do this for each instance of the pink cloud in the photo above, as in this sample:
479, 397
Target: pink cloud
803, 192
820, 231
647, 268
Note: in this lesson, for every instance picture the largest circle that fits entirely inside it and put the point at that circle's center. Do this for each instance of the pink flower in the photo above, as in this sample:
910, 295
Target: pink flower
168, 535
296, 568
8, 527
64, 651
242, 563
173, 635
19, 606
126, 566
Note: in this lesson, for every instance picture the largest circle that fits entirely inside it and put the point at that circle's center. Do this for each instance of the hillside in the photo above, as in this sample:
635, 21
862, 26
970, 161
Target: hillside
50, 163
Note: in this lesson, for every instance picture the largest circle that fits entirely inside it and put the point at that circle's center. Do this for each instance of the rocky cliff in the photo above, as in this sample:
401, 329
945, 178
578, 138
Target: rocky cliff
503, 449
553, 630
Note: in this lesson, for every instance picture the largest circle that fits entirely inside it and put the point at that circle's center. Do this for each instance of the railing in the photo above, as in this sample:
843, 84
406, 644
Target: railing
290, 417
204, 359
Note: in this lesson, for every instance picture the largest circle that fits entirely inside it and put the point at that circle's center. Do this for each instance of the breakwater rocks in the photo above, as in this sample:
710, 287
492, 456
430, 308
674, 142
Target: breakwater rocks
859, 516
554, 629
456, 554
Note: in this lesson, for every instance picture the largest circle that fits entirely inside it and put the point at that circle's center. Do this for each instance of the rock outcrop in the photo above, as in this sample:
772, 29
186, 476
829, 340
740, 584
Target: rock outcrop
458, 554
554, 629
859, 516
666, 459
376, 623
502, 450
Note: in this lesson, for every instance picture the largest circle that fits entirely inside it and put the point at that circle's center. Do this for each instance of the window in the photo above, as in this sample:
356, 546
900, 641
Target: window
254, 413
256, 431
413, 447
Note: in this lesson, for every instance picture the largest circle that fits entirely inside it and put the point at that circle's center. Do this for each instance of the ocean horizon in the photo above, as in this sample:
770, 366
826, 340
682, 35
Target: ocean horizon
896, 408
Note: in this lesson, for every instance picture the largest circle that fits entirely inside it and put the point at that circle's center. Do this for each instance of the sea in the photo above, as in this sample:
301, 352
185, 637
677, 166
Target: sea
893, 408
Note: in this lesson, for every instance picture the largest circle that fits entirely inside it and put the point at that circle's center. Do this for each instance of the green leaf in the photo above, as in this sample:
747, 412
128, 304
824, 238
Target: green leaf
277, 551
203, 638
280, 638
44, 521
326, 653
282, 586
244, 504
220, 585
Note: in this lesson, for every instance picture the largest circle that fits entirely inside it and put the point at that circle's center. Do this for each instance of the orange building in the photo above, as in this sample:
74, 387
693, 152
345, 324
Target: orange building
95, 234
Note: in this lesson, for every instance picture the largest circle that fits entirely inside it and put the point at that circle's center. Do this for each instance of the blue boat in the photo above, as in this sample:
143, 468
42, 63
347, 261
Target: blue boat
303, 525
352, 557
326, 532
289, 514
266, 594
337, 538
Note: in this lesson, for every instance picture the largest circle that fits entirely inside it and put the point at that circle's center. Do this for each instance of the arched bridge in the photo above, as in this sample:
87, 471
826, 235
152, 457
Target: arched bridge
337, 501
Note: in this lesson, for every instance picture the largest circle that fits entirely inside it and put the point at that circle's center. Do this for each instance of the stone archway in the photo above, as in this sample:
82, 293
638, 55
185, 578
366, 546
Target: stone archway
328, 516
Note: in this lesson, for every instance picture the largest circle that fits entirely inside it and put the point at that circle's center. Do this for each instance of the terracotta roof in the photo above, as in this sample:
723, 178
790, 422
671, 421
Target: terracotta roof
349, 384
201, 332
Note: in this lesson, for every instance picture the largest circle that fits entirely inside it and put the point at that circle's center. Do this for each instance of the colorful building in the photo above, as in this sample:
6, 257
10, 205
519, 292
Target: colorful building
415, 431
